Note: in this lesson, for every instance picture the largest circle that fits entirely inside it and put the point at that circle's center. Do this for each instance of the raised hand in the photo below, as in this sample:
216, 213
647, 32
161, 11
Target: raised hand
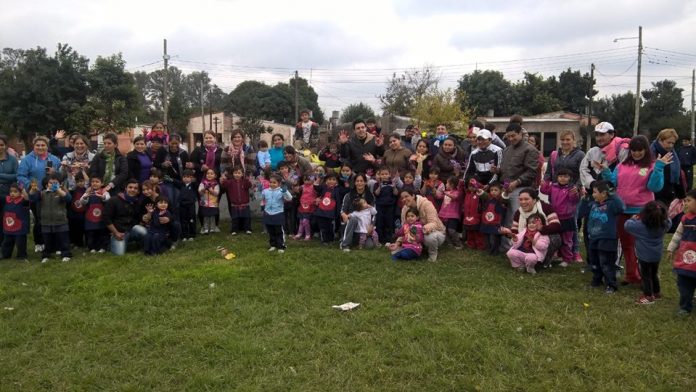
368, 157
666, 159
150, 208
60, 134
343, 137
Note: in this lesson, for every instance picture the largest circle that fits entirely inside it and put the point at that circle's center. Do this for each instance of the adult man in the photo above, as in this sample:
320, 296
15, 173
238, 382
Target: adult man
687, 159
483, 158
441, 135
298, 164
411, 137
362, 149
306, 131
611, 149
120, 218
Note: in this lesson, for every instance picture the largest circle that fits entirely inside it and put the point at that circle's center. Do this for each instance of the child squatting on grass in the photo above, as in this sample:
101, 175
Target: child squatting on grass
683, 247
529, 247
409, 241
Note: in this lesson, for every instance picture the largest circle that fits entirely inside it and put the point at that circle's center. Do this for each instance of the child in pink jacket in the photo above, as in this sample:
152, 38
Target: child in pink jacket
450, 211
564, 197
529, 247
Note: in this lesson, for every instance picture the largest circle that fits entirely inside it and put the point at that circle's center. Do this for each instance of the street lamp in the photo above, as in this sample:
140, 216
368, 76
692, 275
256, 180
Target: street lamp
636, 117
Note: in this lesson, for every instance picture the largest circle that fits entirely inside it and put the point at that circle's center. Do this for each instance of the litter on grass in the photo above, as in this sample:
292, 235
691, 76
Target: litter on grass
212, 285
9, 308
226, 253
346, 306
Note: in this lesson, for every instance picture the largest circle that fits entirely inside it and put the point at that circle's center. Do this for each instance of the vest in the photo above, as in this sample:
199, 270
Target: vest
15, 217
685, 257
470, 210
93, 216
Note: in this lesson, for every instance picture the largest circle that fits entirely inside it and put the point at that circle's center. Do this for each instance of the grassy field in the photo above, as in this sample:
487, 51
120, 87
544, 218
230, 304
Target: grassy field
190, 320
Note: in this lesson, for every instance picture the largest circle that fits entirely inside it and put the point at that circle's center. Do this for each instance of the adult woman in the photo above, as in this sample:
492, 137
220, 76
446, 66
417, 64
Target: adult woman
158, 130
637, 179
175, 159
110, 165
421, 161
33, 168
450, 160
237, 154
207, 156
673, 187
531, 204
77, 160
276, 151
139, 161
360, 190
433, 228
396, 157
568, 156
8, 173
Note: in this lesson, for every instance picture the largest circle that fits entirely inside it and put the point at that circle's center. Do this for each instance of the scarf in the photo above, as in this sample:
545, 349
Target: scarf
235, 153
674, 167
210, 155
128, 199
611, 150
109, 167
209, 184
524, 215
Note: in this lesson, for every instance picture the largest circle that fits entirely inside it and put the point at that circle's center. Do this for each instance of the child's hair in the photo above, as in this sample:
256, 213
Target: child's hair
564, 171
413, 210
640, 143
495, 184
691, 194
162, 198
14, 185
189, 173
307, 178
94, 177
263, 144
472, 181
409, 173
357, 202
81, 177
275, 177
52, 176
283, 165
434, 170
232, 169
600, 186
453, 181
382, 168
516, 118
266, 173
346, 164
210, 170
330, 174
654, 215
536, 215
156, 172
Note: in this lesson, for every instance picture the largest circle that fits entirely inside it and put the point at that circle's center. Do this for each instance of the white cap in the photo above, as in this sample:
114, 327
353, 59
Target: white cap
484, 133
604, 127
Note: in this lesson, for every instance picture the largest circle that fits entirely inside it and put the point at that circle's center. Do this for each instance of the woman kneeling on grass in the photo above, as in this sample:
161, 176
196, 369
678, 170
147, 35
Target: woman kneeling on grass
433, 229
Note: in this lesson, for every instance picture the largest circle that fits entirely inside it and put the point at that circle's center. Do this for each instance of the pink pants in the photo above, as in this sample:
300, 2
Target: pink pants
521, 259
567, 246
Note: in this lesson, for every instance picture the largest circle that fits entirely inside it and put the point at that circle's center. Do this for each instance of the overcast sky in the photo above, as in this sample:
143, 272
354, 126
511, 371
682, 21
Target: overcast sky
348, 49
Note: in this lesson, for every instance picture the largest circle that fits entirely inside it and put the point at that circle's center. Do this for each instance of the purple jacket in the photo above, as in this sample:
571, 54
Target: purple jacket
561, 198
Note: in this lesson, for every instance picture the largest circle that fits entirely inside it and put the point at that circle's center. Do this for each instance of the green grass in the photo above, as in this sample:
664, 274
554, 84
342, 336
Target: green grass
468, 322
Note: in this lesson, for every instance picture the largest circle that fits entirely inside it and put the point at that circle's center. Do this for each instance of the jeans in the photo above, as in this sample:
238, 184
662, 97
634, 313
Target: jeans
603, 264
10, 241
136, 233
651, 282
404, 254
686, 285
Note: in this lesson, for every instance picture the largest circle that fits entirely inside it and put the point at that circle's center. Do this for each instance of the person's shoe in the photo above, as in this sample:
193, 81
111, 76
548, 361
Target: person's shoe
44, 260
248, 232
457, 247
215, 230
233, 233
190, 239
378, 245
657, 296
204, 230
563, 264
296, 237
308, 238
645, 300
578, 258
531, 270
173, 247
38, 248
101, 251
93, 251
272, 249
347, 250
609, 290
57, 253
683, 313
432, 257
65, 259
281, 251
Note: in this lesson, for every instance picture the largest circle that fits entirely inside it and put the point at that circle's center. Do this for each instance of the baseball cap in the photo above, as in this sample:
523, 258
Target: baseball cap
484, 133
604, 127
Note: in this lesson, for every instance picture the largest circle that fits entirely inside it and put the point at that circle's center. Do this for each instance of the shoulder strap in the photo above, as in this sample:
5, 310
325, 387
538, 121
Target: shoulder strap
552, 162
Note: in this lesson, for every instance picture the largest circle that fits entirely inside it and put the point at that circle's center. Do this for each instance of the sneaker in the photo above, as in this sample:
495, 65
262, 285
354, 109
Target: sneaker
101, 251
93, 251
272, 249
645, 300
204, 231
233, 233
296, 237
609, 290
683, 313
308, 238
190, 239
563, 264
281, 251
248, 232
432, 257
531, 270
57, 253
347, 250
44, 260
173, 247
215, 230
577, 258
65, 259
38, 248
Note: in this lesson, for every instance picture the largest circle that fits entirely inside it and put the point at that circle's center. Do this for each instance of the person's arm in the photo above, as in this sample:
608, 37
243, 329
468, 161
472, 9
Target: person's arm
531, 165
676, 238
634, 227
611, 176
287, 196
23, 172
657, 178
120, 172
11, 175
585, 176
545, 187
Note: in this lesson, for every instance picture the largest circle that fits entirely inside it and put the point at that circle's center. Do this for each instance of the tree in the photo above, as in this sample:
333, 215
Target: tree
536, 94
486, 90
257, 100
253, 128
308, 99
618, 110
404, 90
441, 107
662, 107
356, 111
574, 90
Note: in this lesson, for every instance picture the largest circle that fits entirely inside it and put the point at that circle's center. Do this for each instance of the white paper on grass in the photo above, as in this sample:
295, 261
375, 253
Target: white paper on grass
346, 306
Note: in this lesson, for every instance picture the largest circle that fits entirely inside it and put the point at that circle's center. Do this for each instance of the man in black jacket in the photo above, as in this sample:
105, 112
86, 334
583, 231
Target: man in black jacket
687, 160
120, 218
362, 150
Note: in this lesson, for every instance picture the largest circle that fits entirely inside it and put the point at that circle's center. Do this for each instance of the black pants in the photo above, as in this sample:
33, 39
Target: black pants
493, 243
325, 229
54, 241
384, 222
240, 225
275, 236
603, 264
648, 275
10, 241
36, 230
77, 230
97, 239
689, 173
188, 221
290, 218
686, 285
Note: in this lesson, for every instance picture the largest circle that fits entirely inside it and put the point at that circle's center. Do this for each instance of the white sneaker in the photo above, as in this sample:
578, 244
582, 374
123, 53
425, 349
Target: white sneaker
248, 232
190, 239
44, 260
347, 250
281, 251
204, 230
233, 233
563, 264
66, 259
173, 247
102, 250
272, 249
38, 248
93, 251
57, 253
215, 230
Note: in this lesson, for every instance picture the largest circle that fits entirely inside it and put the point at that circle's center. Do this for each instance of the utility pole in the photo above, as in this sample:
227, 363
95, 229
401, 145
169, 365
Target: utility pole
589, 110
210, 114
164, 88
693, 103
202, 111
297, 102
636, 119
216, 121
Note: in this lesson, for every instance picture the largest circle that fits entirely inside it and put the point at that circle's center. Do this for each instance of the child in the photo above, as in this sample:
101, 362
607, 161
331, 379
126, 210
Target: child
493, 212
471, 214
15, 222
433, 189
308, 196
274, 198
237, 189
684, 244
449, 212
564, 198
76, 211
331, 157
159, 219
263, 156
326, 210
385, 190
95, 229
209, 191
188, 198
365, 214
54, 220
409, 241
529, 247
649, 228
289, 182
601, 214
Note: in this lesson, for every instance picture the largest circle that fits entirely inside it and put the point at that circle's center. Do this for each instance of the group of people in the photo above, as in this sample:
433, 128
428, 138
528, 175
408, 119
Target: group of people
408, 193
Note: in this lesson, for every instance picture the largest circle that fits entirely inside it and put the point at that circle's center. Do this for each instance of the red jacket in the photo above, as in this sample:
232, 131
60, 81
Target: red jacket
237, 191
